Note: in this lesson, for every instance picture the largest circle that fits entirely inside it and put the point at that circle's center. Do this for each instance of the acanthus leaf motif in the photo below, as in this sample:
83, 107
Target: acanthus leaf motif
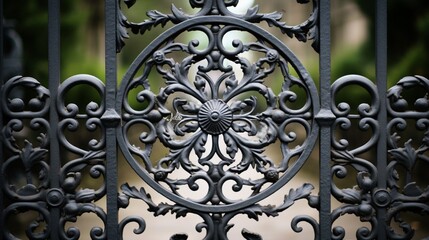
179, 15
31, 156
199, 145
190, 126
200, 83
254, 211
211, 102
191, 107
231, 145
132, 192
158, 18
405, 156
250, 235
304, 31
85, 195
179, 211
350, 195
244, 127
295, 194
252, 13
162, 209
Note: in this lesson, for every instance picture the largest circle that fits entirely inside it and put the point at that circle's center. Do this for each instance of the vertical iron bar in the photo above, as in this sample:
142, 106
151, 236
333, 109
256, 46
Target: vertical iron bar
1, 112
110, 97
381, 77
54, 81
327, 117
1, 56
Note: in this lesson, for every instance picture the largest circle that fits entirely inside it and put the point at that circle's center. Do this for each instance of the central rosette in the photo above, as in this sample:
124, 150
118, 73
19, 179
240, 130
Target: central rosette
215, 117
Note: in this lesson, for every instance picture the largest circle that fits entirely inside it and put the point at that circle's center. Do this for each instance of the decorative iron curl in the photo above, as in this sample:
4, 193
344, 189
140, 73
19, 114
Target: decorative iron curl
70, 114
304, 31
366, 213
71, 175
217, 224
29, 158
394, 214
18, 107
72, 110
364, 124
74, 209
304, 218
185, 126
398, 106
132, 219
44, 216
364, 109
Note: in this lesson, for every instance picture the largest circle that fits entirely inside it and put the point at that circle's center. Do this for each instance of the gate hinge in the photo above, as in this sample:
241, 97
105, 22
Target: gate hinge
110, 118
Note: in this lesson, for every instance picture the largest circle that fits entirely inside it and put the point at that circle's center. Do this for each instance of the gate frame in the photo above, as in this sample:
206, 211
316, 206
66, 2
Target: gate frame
382, 198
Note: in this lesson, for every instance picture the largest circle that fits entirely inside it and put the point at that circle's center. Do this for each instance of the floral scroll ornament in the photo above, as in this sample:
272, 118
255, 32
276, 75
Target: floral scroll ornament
24, 113
304, 31
407, 193
195, 113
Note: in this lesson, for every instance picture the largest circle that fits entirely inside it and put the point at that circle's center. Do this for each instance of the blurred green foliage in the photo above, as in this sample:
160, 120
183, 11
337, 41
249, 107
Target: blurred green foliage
82, 43
408, 42
408, 39
82, 22
30, 19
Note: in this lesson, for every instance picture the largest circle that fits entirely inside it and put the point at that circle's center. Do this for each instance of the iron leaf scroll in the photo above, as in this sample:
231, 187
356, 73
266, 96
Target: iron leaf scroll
217, 107
307, 30
216, 121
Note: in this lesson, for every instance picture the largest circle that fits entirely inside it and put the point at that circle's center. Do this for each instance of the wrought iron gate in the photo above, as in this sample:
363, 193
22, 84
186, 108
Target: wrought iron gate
217, 125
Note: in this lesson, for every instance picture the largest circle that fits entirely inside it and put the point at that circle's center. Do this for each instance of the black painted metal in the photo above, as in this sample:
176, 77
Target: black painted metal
110, 120
195, 116
381, 75
325, 120
54, 195
1, 112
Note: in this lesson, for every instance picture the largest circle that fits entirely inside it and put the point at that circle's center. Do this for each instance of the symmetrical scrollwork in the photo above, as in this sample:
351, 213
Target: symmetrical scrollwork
198, 111
217, 224
407, 191
26, 104
402, 193
90, 155
197, 121
303, 32
357, 200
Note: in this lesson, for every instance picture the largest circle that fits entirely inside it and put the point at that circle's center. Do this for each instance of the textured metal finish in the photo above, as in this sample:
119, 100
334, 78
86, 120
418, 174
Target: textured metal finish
217, 113
1, 112
216, 123
381, 196
325, 118
110, 119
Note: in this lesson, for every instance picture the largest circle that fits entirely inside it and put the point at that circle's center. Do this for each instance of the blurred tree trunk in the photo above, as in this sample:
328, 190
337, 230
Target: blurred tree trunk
94, 29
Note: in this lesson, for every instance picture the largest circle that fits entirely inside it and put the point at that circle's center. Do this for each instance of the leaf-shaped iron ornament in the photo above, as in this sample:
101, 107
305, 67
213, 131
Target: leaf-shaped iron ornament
217, 115
307, 30
31, 156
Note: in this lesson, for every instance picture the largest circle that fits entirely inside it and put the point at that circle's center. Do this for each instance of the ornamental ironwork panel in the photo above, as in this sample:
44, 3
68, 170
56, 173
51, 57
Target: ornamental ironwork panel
210, 105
